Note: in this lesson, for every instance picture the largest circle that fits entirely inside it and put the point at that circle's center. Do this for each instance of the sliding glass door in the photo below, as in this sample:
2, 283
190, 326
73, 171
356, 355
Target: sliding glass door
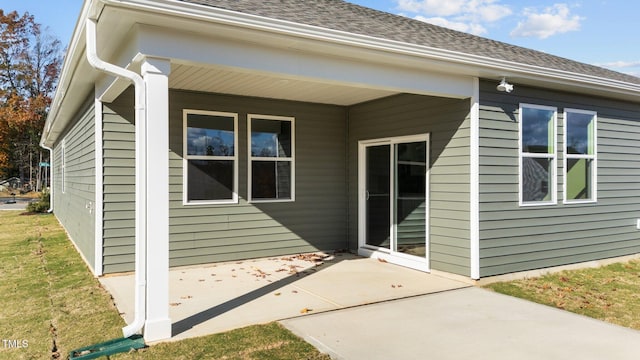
394, 196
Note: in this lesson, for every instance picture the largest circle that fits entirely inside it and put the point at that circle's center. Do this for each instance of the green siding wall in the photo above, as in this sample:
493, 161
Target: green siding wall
514, 238
119, 184
317, 220
448, 122
75, 207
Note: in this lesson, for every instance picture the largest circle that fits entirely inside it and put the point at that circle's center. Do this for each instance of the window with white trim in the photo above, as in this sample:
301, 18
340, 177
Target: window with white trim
271, 158
210, 157
580, 158
537, 154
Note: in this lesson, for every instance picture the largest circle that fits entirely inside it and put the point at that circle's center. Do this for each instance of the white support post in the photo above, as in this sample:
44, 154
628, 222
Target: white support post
474, 179
155, 73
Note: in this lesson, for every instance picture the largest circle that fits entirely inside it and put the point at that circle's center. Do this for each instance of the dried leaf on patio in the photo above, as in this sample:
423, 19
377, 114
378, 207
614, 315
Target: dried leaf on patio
174, 304
186, 297
277, 294
382, 260
305, 310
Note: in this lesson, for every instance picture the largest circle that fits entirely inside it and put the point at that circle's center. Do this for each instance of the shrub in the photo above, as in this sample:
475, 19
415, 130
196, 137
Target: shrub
42, 205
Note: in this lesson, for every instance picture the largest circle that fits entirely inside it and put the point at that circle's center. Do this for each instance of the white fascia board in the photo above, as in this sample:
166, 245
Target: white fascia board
74, 55
475, 63
243, 56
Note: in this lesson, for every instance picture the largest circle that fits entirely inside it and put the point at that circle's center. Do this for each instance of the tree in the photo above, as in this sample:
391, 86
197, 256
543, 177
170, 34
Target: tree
29, 66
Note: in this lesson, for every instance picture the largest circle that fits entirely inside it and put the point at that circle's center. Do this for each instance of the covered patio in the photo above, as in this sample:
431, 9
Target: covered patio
224, 296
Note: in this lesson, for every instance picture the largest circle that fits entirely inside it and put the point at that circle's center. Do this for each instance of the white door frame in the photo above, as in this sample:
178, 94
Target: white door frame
389, 255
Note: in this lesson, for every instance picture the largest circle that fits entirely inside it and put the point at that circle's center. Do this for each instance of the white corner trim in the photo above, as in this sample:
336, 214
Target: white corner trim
99, 189
474, 180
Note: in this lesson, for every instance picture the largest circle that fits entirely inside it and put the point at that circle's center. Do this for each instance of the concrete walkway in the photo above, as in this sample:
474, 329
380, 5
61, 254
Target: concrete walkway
224, 296
468, 323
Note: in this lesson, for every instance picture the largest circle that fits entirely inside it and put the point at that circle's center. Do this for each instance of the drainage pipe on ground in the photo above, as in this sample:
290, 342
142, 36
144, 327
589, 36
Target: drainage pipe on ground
140, 177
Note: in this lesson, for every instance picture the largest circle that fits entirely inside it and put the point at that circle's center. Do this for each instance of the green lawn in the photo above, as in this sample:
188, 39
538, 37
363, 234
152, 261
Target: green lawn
51, 304
610, 293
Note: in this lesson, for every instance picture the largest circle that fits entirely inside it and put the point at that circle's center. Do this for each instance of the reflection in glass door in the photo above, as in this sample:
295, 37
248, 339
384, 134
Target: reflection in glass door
395, 201
378, 195
410, 198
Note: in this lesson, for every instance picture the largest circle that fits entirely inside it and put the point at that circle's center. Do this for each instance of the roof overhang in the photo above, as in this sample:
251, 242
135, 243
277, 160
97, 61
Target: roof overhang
298, 53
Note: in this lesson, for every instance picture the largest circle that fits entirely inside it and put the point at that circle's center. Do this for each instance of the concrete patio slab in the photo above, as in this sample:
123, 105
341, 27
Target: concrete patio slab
469, 323
224, 296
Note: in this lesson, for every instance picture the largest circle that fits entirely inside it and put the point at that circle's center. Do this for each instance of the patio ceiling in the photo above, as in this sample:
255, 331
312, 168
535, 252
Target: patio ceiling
227, 81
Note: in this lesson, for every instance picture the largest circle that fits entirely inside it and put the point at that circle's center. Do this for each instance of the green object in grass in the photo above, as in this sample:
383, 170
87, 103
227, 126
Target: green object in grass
107, 348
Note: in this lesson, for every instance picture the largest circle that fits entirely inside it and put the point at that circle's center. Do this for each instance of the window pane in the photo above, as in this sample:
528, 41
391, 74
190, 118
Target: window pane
579, 179
283, 175
210, 180
537, 179
270, 138
271, 180
209, 135
537, 130
579, 133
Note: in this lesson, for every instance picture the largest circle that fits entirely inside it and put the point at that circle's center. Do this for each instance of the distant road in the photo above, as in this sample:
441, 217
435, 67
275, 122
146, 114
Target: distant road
21, 204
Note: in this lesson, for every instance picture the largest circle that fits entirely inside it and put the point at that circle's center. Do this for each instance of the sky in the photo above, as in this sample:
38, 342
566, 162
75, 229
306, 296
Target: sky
599, 32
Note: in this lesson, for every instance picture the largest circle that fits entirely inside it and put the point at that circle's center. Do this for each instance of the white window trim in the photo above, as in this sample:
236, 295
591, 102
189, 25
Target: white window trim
63, 166
593, 157
186, 158
553, 156
418, 263
291, 159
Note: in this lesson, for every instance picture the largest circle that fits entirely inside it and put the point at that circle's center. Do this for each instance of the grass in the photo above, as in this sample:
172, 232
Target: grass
610, 293
51, 304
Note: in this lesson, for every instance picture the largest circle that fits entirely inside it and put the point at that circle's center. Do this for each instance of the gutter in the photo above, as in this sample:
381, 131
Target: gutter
141, 175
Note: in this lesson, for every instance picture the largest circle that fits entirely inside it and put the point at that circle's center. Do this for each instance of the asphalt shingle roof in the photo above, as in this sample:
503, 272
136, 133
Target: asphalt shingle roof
344, 16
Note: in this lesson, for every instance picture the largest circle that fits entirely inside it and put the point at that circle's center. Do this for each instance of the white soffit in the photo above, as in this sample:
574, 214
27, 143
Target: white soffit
220, 80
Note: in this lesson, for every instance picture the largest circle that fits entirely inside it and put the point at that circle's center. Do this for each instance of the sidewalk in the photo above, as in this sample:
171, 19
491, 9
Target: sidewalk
468, 323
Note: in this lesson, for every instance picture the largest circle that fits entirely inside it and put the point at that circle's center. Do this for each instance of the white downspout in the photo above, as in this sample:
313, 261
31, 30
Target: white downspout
141, 174
50, 210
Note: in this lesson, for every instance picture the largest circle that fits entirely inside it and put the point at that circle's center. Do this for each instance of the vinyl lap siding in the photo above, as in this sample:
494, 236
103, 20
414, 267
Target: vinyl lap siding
514, 238
317, 220
119, 184
447, 121
75, 207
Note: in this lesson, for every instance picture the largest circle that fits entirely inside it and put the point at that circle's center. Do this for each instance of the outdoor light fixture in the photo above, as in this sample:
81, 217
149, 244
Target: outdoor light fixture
504, 86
